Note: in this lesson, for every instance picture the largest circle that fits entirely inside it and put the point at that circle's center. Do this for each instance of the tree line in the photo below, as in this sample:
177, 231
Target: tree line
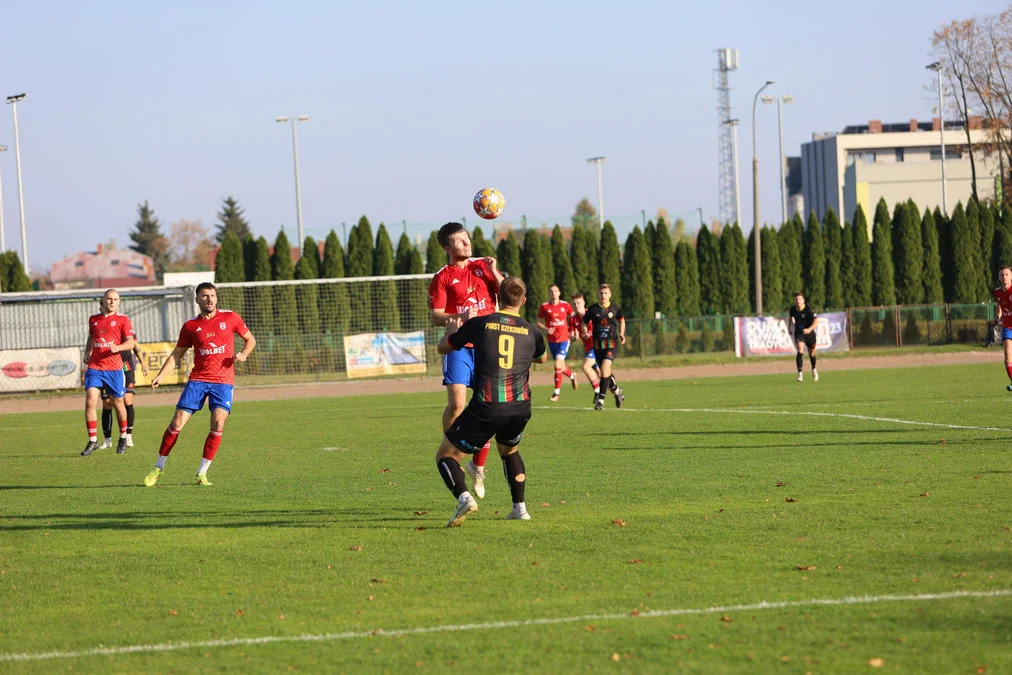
905, 257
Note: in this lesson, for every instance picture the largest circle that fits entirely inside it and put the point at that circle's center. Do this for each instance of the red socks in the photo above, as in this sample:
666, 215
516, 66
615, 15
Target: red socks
92, 429
211, 444
481, 455
558, 377
567, 372
168, 440
1008, 369
122, 428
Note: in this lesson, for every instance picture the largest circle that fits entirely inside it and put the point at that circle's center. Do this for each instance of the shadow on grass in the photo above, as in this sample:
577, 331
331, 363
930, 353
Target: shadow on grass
168, 520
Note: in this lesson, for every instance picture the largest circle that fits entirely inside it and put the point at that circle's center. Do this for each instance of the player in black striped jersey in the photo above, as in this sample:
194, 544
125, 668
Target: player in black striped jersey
504, 347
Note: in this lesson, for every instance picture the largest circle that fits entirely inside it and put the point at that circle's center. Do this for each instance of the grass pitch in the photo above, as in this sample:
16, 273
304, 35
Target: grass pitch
718, 525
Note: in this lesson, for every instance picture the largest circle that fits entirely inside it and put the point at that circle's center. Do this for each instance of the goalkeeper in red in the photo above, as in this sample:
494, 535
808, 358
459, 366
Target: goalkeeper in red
211, 334
553, 318
504, 348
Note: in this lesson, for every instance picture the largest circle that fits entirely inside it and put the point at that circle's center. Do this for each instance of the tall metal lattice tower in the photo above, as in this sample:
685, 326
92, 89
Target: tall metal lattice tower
730, 200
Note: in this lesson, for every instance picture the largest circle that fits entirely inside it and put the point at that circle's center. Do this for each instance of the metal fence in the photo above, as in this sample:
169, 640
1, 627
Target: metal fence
300, 325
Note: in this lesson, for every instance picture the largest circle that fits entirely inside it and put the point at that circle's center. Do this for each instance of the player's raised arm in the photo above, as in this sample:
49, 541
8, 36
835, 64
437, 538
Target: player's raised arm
496, 274
446, 345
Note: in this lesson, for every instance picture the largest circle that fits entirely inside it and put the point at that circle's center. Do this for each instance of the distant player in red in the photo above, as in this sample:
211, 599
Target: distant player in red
578, 331
465, 288
553, 318
1003, 295
212, 336
109, 334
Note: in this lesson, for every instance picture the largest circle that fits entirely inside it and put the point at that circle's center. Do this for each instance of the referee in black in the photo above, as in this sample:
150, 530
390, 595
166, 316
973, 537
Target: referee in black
803, 320
504, 348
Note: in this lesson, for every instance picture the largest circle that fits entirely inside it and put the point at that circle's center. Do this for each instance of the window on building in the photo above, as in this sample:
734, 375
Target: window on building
115, 262
899, 154
950, 153
79, 263
869, 158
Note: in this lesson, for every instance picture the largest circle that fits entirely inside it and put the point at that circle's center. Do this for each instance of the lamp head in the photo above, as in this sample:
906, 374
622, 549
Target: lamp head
280, 119
16, 97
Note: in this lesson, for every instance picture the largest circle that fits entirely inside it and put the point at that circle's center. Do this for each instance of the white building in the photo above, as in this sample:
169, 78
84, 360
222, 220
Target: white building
896, 162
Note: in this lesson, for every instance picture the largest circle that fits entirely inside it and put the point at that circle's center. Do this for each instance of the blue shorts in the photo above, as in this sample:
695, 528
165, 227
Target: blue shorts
196, 392
592, 356
458, 366
106, 380
1006, 333
558, 349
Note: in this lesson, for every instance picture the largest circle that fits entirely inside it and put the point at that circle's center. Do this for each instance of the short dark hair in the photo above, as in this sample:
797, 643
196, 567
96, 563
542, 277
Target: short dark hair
576, 295
203, 286
603, 286
447, 231
512, 291
797, 293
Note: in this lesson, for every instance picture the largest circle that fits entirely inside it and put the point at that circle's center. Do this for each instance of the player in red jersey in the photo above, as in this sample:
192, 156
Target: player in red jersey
578, 331
553, 318
465, 288
1003, 295
109, 334
212, 336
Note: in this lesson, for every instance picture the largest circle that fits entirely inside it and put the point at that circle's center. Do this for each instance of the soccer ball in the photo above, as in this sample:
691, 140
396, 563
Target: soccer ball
489, 203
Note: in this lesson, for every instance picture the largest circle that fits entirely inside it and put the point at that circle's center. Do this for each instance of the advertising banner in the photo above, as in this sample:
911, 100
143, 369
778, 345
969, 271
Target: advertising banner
373, 354
40, 369
769, 335
155, 354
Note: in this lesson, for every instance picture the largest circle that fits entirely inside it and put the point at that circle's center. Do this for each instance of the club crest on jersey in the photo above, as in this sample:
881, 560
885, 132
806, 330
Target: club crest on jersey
478, 273
113, 323
221, 325
611, 315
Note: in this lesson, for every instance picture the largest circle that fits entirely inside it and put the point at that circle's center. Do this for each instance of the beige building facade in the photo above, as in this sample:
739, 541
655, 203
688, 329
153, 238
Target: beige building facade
895, 162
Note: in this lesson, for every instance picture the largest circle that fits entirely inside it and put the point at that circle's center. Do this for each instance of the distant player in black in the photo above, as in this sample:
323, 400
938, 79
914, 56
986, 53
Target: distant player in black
504, 348
132, 360
803, 322
607, 328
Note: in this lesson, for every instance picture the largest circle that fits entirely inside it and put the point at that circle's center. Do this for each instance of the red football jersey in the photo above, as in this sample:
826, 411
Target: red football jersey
106, 330
575, 323
556, 317
456, 289
213, 345
1004, 300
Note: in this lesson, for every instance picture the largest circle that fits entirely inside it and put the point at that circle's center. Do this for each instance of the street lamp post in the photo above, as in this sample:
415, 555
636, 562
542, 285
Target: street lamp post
737, 184
937, 67
787, 98
600, 190
757, 249
3, 239
295, 155
13, 101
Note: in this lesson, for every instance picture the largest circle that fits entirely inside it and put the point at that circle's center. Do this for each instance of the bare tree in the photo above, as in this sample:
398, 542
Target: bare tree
190, 244
976, 58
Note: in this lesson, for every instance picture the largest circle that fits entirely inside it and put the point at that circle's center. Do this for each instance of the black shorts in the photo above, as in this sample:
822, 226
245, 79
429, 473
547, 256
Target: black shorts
604, 354
473, 429
807, 338
129, 378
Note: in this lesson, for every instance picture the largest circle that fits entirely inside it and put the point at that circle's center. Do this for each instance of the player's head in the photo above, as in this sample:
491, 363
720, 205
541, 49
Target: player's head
454, 240
1005, 276
206, 296
110, 301
554, 294
512, 292
579, 304
604, 293
799, 299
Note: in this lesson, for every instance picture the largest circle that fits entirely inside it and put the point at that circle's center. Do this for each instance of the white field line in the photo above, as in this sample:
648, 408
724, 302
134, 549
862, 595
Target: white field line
802, 413
458, 628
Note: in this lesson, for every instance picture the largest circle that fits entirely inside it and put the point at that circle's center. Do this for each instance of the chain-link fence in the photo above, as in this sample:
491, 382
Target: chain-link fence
300, 325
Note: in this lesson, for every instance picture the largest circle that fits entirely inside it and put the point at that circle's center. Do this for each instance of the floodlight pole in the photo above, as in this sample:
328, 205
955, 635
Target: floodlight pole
937, 67
13, 102
295, 156
600, 190
755, 209
3, 239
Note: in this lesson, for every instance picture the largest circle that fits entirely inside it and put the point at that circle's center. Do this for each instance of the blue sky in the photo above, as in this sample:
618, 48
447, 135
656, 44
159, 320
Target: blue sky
414, 106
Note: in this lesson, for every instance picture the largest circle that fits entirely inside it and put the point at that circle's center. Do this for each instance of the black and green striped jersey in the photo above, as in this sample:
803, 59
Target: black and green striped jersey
504, 348
604, 325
